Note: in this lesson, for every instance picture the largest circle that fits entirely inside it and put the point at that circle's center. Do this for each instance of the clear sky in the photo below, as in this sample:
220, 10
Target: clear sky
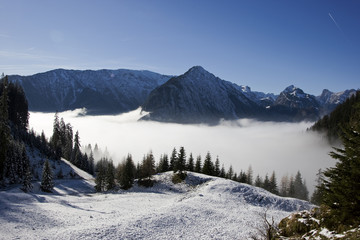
266, 45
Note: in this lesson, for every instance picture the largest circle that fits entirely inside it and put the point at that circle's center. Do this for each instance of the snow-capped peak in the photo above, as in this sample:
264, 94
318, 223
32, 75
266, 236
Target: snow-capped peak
290, 89
246, 89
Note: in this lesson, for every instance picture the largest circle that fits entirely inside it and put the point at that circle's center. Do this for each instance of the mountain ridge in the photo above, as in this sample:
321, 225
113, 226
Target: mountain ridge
197, 96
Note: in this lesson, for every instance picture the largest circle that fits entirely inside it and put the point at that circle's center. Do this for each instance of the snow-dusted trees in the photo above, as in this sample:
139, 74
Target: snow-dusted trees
47, 184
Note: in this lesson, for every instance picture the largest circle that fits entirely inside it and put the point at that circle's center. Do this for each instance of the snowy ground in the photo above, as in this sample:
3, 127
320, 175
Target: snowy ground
202, 208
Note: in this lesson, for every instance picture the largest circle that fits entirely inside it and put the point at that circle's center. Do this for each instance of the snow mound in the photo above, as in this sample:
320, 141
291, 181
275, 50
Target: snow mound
201, 207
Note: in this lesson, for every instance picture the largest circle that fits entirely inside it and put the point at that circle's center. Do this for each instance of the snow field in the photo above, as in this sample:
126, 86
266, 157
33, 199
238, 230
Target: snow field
201, 208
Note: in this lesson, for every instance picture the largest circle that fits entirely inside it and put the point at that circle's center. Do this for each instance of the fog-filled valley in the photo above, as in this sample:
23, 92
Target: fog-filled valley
267, 146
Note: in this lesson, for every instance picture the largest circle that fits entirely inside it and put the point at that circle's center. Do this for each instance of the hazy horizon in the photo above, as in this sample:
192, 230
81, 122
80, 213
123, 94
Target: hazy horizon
267, 146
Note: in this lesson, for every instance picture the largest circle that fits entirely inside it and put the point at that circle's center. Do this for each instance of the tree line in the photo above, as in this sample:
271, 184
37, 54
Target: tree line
108, 176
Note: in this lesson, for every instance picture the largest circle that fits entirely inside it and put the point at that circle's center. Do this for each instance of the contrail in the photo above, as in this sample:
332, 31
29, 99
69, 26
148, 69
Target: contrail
337, 25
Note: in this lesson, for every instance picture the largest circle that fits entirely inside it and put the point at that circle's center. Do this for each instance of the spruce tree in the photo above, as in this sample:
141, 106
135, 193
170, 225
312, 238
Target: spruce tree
27, 186
300, 189
217, 167
273, 184
163, 163
147, 168
230, 173
56, 137
242, 177
208, 167
222, 172
109, 175
258, 181
342, 182
100, 171
180, 161
47, 184
198, 166
173, 160
266, 183
127, 175
317, 196
190, 166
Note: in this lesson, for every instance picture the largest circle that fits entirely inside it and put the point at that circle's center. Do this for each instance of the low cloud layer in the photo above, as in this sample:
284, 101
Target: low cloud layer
266, 146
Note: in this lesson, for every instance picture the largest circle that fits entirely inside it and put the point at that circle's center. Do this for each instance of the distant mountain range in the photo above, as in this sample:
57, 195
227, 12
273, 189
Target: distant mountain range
197, 96
100, 92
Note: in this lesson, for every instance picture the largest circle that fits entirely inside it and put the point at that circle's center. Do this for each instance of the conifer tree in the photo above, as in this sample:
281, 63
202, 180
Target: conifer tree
173, 160
190, 166
198, 166
342, 182
300, 188
127, 175
242, 177
317, 196
76, 159
222, 172
47, 184
100, 176
217, 167
163, 163
230, 173
273, 184
91, 163
208, 167
56, 137
266, 183
180, 161
110, 175
147, 168
27, 186
258, 181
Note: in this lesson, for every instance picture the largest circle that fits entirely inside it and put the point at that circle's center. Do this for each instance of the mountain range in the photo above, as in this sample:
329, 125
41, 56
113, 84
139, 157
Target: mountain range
196, 96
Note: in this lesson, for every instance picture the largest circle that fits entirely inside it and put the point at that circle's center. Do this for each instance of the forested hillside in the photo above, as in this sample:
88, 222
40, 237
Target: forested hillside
346, 114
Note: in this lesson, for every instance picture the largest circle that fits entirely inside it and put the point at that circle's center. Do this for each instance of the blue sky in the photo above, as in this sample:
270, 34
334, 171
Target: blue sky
266, 45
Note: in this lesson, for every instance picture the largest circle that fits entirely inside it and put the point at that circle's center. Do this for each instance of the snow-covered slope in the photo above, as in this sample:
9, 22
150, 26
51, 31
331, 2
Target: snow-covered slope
201, 208
102, 91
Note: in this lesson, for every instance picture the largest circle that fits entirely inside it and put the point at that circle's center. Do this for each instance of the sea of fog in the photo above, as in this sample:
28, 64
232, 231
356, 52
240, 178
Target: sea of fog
267, 146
